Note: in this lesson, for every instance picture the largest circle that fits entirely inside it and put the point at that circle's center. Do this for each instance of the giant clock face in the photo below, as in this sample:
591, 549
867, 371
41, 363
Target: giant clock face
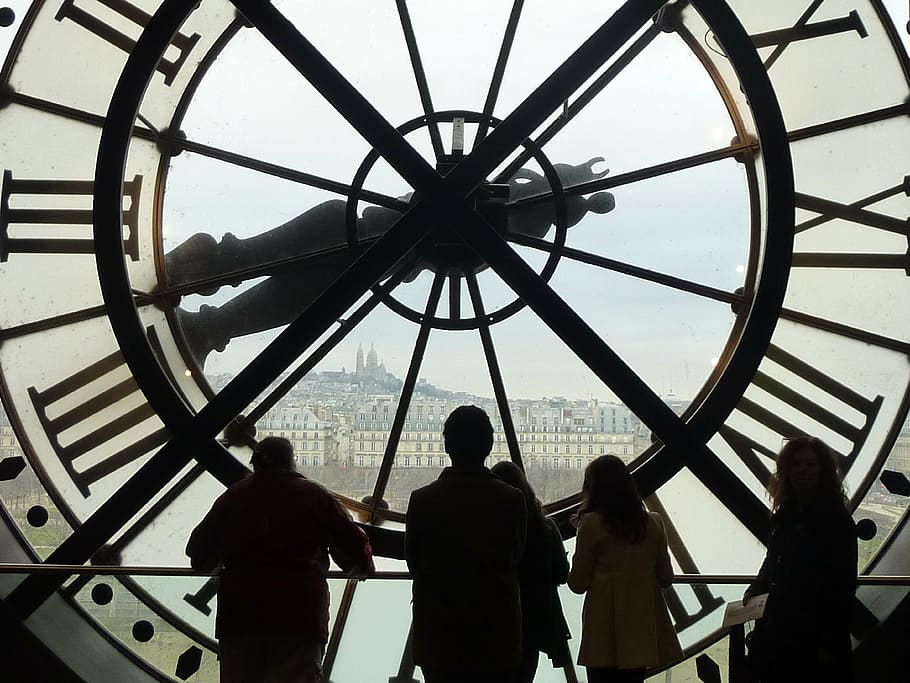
603, 202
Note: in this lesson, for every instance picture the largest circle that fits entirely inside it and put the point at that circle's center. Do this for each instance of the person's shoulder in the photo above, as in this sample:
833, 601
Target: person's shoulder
654, 519
840, 516
592, 523
423, 492
305, 487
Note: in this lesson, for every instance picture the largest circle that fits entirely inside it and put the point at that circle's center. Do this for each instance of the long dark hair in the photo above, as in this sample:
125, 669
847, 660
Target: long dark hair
610, 490
830, 478
513, 475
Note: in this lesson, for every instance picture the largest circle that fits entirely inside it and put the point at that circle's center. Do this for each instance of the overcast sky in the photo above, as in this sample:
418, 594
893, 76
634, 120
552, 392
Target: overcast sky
692, 224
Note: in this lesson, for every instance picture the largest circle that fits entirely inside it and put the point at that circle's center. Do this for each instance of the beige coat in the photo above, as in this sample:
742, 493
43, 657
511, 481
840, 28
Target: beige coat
625, 623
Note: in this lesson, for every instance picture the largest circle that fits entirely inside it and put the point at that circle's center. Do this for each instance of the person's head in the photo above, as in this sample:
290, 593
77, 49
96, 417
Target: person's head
807, 469
513, 475
609, 489
468, 435
273, 454
363, 516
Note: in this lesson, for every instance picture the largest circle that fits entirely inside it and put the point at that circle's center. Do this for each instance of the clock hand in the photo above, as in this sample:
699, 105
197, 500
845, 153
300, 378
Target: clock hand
322, 227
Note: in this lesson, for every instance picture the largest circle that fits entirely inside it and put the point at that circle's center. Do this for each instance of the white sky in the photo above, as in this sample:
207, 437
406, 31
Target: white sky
637, 319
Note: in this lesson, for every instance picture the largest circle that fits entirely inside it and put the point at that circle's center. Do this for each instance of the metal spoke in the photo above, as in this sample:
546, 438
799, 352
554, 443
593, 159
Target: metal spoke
564, 321
499, 388
341, 618
455, 296
149, 516
628, 269
555, 90
291, 174
422, 86
339, 93
212, 152
642, 174
499, 70
407, 391
234, 277
846, 331
346, 326
610, 73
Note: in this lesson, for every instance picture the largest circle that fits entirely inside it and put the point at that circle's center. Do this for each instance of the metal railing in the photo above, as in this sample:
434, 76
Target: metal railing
146, 570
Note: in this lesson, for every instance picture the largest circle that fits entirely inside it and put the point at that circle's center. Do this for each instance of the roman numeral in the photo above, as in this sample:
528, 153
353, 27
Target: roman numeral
180, 42
707, 601
812, 414
855, 213
804, 30
96, 450
67, 230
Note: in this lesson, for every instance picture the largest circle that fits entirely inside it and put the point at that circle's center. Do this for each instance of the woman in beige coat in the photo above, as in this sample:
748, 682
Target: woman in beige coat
621, 563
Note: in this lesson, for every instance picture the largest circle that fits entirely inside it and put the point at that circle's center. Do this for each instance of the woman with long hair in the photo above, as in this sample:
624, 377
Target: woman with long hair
543, 568
809, 572
621, 563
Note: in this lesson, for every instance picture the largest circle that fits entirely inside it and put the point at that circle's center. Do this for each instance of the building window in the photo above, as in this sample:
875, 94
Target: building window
417, 459
578, 463
407, 461
360, 461
556, 463
590, 450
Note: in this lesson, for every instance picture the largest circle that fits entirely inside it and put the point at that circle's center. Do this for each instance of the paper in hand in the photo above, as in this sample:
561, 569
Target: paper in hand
736, 613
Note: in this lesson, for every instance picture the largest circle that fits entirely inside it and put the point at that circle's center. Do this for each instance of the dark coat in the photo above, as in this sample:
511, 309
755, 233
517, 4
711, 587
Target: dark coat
809, 574
543, 568
464, 539
273, 533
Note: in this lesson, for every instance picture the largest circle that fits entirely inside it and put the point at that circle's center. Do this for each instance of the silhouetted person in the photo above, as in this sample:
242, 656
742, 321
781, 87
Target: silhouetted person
272, 532
809, 572
464, 539
621, 562
543, 568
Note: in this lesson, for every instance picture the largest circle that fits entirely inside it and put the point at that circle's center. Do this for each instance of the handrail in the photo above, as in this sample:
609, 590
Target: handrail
145, 570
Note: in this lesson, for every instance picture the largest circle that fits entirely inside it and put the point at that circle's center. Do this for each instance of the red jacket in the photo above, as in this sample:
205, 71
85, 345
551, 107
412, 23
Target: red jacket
273, 533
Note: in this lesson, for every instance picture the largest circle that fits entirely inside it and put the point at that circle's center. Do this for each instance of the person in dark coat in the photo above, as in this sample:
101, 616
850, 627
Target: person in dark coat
809, 572
543, 568
272, 533
464, 539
